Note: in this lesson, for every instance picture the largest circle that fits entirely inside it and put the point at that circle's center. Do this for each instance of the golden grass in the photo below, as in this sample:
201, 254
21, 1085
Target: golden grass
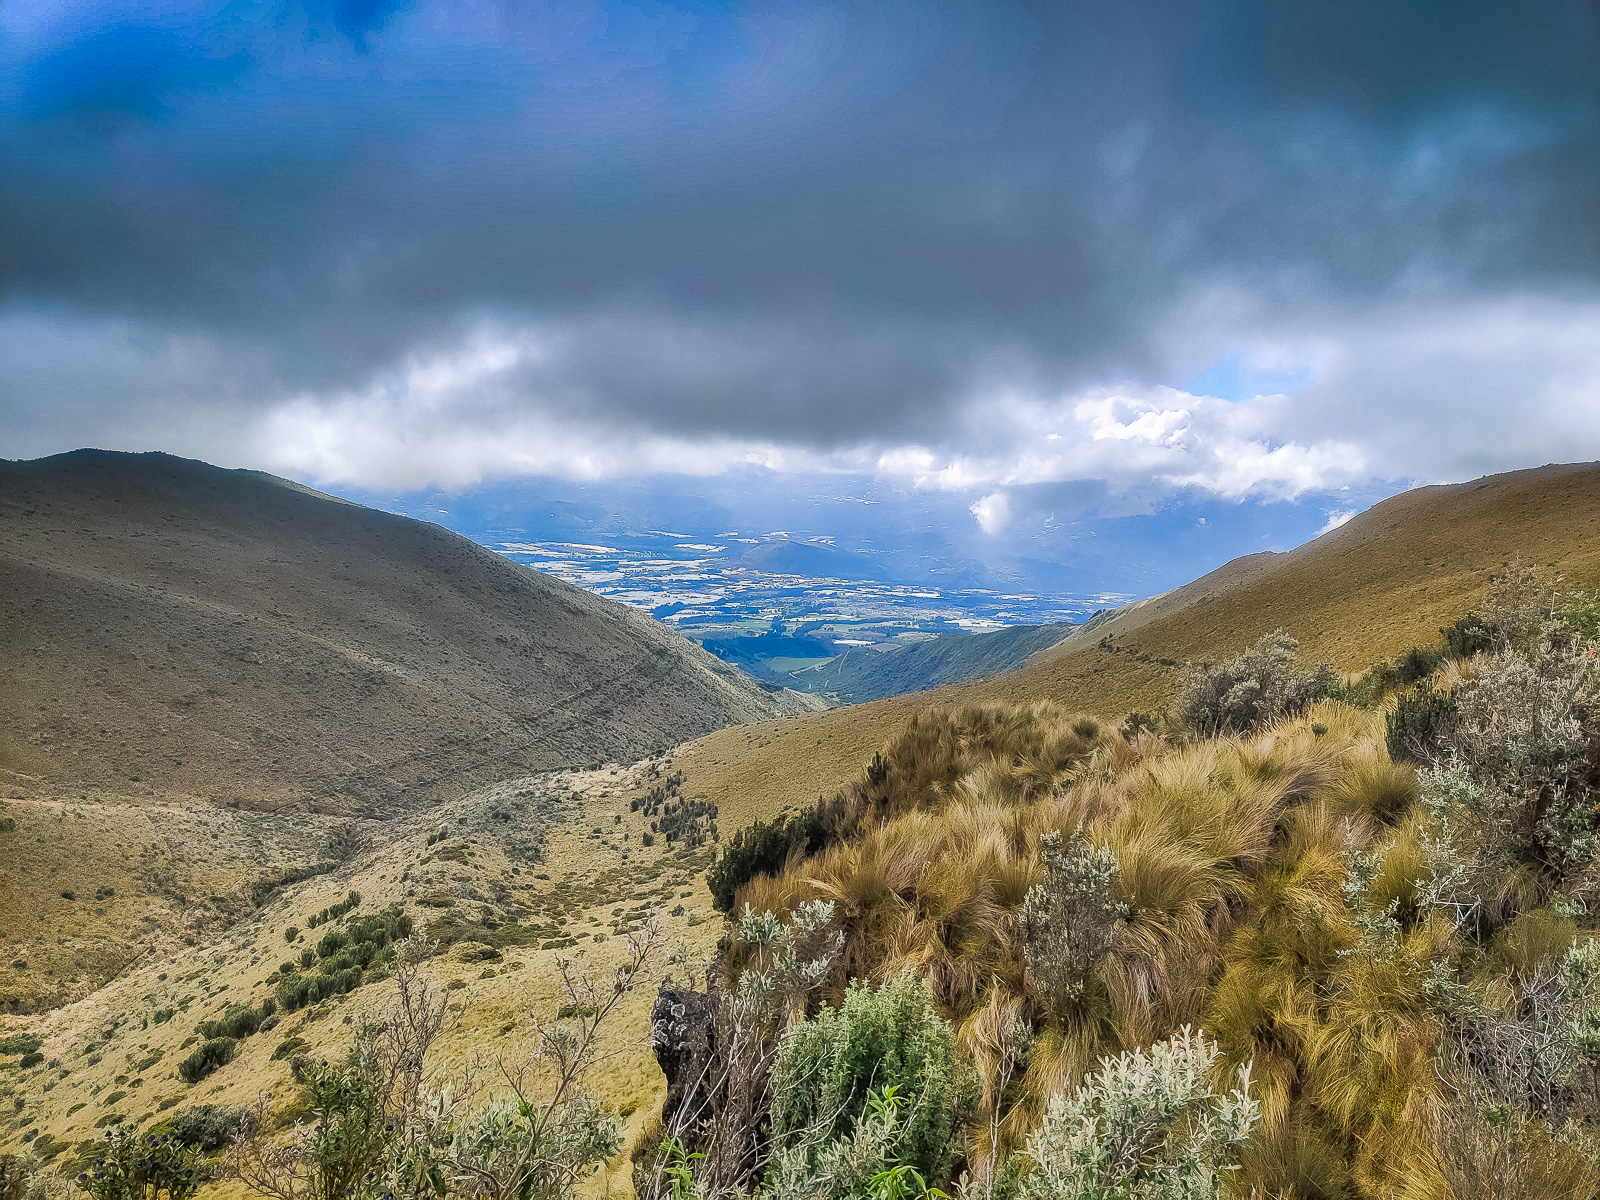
1232, 857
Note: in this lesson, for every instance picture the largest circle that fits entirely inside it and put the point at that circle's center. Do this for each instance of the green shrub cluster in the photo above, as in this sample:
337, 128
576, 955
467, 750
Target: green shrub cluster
210, 1127
334, 911
1260, 685
206, 1058
20, 1043
342, 958
892, 1037
762, 848
147, 1167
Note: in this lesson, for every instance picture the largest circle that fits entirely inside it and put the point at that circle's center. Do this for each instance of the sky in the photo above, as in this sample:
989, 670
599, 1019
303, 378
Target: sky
1192, 265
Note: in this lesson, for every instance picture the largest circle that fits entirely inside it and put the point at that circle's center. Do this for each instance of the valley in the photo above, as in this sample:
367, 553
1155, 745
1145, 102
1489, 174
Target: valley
137, 909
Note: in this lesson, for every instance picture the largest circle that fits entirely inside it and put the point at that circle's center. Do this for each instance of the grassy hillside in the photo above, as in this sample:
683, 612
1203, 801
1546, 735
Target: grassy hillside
1371, 589
206, 669
234, 637
555, 864
859, 675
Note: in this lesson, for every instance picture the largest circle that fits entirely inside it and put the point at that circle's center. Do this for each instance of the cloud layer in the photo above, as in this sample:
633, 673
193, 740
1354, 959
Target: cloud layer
1229, 249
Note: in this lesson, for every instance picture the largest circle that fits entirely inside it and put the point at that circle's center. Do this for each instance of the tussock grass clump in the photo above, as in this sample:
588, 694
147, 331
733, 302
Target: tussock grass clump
1067, 892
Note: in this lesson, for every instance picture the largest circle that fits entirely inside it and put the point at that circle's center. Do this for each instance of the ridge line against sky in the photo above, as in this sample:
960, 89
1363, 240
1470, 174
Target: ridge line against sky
1089, 260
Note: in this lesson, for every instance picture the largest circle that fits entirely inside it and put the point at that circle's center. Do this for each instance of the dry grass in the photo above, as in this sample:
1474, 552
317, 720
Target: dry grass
588, 880
1232, 861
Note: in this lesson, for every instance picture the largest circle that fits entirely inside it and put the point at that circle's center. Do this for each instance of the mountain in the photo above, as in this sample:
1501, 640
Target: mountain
172, 628
860, 674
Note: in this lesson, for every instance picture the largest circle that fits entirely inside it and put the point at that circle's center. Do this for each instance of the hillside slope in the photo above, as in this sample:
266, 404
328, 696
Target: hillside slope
1379, 584
860, 674
173, 628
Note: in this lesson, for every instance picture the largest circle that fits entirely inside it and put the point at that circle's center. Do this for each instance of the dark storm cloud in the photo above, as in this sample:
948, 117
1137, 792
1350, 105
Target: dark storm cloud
809, 225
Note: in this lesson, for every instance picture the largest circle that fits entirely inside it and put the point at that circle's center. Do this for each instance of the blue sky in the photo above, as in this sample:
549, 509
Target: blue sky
1022, 266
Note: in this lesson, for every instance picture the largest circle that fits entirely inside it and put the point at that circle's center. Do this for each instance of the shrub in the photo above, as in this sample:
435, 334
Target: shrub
1145, 1125
290, 934
1416, 729
293, 992
761, 848
206, 1058
1417, 663
240, 1021
210, 1126
827, 1069
332, 942
134, 1167
20, 1043
31, 1059
1466, 638
1068, 919
1518, 753
1260, 685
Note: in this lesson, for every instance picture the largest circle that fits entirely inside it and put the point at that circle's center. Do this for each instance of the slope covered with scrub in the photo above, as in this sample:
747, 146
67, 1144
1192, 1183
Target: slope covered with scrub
1380, 907
1386, 580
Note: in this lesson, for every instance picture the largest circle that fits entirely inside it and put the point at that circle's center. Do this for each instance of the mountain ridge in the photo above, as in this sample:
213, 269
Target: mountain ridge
381, 657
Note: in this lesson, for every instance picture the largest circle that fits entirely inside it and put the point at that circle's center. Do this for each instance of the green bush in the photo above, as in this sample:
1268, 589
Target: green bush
332, 942
239, 1021
1148, 1125
762, 848
1466, 637
210, 1126
892, 1038
20, 1043
135, 1167
31, 1059
1417, 663
207, 1057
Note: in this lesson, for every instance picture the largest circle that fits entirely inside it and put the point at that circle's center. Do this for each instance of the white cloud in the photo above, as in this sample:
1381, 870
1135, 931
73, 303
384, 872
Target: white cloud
1419, 389
1336, 519
993, 512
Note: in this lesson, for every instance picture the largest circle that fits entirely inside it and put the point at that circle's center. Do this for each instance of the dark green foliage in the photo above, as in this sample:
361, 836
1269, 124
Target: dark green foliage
69, 894
20, 1043
332, 942
240, 1021
1417, 664
135, 1167
293, 992
32, 1059
8, 824
890, 1038
290, 934
206, 1058
762, 848
1421, 719
209, 1126
1467, 637
334, 911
